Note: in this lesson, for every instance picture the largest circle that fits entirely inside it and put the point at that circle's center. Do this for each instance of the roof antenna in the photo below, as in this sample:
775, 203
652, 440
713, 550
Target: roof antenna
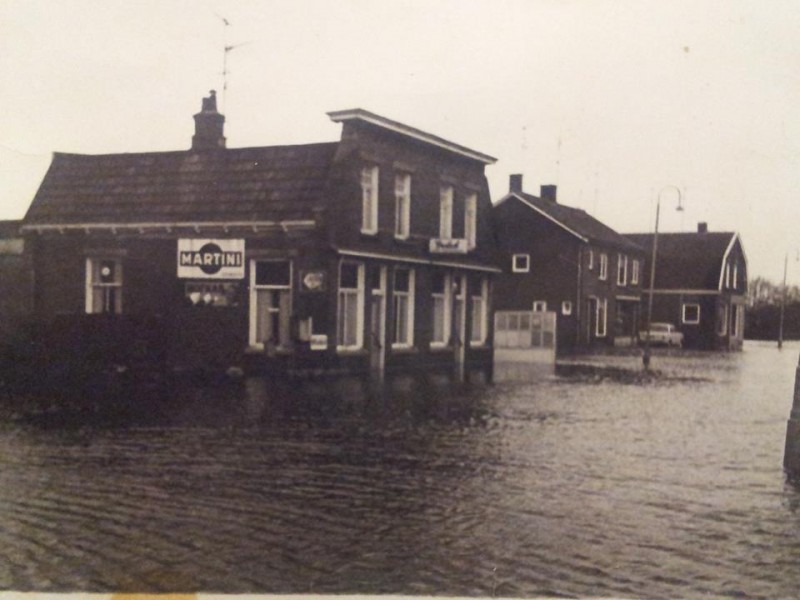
226, 49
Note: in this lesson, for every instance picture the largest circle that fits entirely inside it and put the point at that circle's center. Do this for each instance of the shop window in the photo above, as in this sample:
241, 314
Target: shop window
480, 307
211, 293
403, 304
369, 200
521, 263
350, 310
691, 314
402, 209
471, 220
446, 212
442, 290
103, 285
270, 303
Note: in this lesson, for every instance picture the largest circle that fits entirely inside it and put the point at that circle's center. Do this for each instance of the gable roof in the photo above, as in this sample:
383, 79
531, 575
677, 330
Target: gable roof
274, 183
691, 261
575, 221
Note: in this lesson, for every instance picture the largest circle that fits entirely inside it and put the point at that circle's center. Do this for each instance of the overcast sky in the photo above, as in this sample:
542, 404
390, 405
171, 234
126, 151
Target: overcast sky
614, 101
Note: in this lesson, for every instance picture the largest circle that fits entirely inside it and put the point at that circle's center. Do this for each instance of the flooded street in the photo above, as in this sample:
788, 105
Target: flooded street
565, 487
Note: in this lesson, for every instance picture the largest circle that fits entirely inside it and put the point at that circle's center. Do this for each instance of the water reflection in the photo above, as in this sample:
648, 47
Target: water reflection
668, 488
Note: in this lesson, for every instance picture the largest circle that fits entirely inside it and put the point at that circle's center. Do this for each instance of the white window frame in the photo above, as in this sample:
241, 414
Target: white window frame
480, 308
735, 274
635, 272
622, 270
92, 286
727, 274
603, 275
446, 212
254, 289
686, 305
591, 260
539, 306
521, 269
402, 205
722, 324
601, 325
738, 320
446, 298
471, 220
566, 308
359, 295
369, 200
408, 343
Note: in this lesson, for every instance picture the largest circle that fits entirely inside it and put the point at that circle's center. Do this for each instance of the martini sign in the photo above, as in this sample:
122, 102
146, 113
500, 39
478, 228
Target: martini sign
210, 259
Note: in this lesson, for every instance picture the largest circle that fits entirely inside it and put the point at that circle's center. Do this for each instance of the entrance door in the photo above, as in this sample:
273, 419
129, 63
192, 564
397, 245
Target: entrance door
377, 332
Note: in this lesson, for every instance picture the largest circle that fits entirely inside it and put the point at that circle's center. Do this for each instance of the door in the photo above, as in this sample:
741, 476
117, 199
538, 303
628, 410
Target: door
377, 333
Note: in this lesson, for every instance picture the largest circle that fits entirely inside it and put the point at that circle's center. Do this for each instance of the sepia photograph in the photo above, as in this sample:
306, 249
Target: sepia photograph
400, 298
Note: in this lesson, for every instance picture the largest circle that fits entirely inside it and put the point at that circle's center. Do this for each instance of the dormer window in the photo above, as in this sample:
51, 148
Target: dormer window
446, 212
402, 205
369, 200
471, 220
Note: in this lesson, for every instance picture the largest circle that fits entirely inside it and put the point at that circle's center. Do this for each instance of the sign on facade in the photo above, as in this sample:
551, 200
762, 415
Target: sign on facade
210, 259
443, 246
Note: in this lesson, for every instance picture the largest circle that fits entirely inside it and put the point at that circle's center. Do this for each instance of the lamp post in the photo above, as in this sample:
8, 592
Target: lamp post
679, 208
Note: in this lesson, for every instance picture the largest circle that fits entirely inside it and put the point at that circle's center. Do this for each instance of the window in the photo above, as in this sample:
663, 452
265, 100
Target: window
369, 200
402, 205
446, 212
103, 285
442, 290
480, 304
350, 310
635, 272
566, 308
471, 220
735, 275
738, 321
622, 269
591, 260
539, 306
691, 314
270, 303
722, 319
601, 317
521, 263
403, 303
603, 266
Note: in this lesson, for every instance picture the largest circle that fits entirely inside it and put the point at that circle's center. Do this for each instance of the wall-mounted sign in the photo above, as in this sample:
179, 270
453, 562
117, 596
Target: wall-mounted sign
210, 259
313, 281
442, 246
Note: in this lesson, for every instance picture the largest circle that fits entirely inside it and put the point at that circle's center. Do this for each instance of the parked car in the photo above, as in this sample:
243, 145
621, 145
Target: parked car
662, 333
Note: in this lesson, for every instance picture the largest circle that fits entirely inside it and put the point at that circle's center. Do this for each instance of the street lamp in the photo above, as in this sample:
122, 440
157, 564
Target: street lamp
679, 208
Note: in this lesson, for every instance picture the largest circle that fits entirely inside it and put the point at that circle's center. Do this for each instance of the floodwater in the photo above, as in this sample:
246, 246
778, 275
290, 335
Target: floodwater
672, 488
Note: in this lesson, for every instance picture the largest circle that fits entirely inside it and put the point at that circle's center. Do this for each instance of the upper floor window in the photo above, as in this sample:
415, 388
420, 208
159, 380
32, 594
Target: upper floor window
521, 263
480, 308
735, 275
591, 260
270, 303
402, 205
539, 306
603, 266
403, 304
635, 272
622, 269
566, 308
691, 314
727, 274
471, 220
350, 310
103, 285
446, 212
442, 290
369, 200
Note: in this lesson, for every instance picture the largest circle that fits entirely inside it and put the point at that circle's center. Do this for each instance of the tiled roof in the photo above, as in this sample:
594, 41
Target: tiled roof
579, 222
686, 260
268, 183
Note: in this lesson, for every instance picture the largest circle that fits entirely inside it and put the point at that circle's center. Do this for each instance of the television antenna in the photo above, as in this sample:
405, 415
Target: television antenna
226, 50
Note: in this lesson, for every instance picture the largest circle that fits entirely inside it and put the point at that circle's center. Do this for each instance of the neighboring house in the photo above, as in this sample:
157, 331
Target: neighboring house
561, 259
15, 280
373, 253
700, 286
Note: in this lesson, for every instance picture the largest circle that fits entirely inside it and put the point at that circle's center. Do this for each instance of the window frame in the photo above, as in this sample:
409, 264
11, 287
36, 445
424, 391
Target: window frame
253, 299
515, 268
446, 212
409, 296
482, 299
635, 271
539, 306
622, 270
91, 285
601, 307
566, 308
370, 180
591, 260
446, 296
471, 220
603, 274
360, 292
402, 205
684, 306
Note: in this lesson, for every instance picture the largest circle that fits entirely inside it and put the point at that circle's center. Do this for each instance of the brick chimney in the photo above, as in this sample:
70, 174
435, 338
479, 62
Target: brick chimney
548, 192
702, 227
515, 183
208, 126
